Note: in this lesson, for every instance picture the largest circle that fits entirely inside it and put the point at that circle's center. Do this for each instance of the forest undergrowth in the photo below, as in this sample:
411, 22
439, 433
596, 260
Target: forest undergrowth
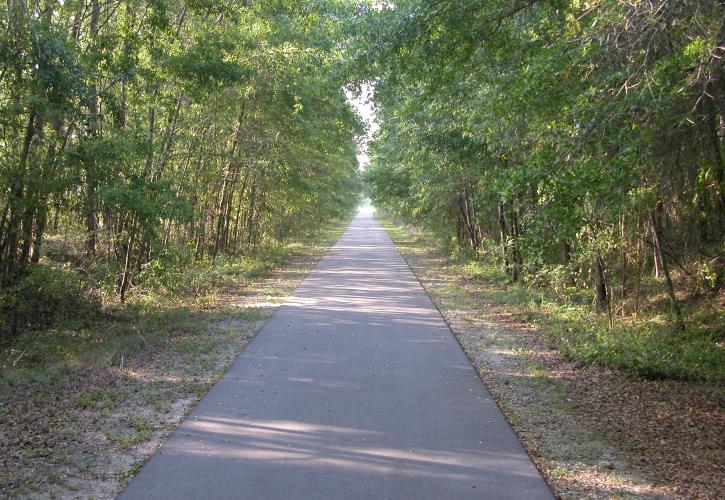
644, 342
595, 426
86, 397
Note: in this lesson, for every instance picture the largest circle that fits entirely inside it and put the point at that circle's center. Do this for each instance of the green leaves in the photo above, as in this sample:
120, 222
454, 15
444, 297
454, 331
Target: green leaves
207, 63
146, 124
551, 129
150, 201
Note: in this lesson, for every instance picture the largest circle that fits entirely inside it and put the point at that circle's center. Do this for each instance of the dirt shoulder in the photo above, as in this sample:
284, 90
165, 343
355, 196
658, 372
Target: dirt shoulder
593, 432
85, 432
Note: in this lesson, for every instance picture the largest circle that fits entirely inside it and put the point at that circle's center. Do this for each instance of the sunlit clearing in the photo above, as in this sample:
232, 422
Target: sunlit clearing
366, 208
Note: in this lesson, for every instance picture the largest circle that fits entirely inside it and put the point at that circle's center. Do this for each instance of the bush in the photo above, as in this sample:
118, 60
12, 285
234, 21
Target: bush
43, 296
177, 276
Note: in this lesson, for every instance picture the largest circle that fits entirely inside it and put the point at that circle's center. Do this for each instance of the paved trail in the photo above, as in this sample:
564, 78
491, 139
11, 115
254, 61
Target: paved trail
355, 388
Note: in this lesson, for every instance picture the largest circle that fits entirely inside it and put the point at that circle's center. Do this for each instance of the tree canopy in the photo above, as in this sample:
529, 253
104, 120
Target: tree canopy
581, 142
148, 125
578, 143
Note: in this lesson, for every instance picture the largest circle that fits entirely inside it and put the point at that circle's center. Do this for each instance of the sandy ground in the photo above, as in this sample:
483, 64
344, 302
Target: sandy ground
86, 437
593, 432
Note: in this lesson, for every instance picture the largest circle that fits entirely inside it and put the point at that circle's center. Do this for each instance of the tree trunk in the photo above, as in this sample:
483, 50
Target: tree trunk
503, 237
171, 128
41, 221
93, 131
623, 266
229, 180
125, 276
150, 139
639, 265
9, 245
465, 213
659, 251
516, 258
657, 259
250, 214
601, 299
237, 216
471, 212
715, 123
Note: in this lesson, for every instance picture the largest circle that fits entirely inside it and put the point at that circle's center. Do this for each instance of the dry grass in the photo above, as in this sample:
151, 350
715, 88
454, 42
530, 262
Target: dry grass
593, 431
82, 426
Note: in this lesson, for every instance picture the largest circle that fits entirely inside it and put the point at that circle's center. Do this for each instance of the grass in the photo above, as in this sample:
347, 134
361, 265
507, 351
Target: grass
645, 344
586, 428
82, 395
171, 300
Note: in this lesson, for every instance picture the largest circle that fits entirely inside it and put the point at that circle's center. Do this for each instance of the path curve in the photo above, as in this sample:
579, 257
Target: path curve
355, 388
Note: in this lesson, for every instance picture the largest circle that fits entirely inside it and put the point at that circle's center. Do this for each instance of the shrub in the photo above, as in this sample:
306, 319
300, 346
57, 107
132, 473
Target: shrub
43, 296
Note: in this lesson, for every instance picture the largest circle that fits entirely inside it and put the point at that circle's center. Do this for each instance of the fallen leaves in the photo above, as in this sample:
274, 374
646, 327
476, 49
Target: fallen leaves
592, 431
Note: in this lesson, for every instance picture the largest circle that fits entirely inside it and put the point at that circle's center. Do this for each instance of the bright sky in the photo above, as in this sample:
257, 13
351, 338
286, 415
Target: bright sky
363, 105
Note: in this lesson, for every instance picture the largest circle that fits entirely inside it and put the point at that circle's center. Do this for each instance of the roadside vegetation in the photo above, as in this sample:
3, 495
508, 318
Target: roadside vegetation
157, 158
594, 430
138, 139
84, 401
75, 325
573, 152
643, 343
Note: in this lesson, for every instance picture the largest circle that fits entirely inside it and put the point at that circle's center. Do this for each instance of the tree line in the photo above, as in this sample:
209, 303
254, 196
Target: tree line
579, 143
135, 128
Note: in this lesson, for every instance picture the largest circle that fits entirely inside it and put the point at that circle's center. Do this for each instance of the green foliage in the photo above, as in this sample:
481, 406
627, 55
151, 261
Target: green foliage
199, 278
650, 352
170, 301
556, 138
43, 296
646, 345
153, 125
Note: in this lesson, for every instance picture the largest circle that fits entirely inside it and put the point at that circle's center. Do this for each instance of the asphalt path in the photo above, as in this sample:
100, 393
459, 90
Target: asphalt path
355, 388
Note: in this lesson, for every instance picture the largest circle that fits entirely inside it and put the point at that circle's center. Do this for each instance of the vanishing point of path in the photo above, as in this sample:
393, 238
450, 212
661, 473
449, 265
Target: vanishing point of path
355, 388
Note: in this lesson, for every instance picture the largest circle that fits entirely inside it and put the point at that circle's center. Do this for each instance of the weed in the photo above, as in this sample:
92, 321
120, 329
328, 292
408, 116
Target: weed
645, 344
130, 472
101, 398
559, 472
62, 387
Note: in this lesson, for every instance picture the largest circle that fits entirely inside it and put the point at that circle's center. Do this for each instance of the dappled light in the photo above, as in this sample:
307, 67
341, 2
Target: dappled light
357, 378
299, 444
424, 249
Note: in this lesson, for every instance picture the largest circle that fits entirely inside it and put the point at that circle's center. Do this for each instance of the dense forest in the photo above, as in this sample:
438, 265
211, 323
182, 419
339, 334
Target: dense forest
553, 172
136, 134
577, 144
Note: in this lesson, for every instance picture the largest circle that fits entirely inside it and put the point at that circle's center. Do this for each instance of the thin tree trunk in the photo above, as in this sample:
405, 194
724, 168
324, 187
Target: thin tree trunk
624, 269
466, 218
90, 205
8, 248
250, 214
3, 221
503, 237
517, 259
601, 298
223, 211
658, 249
150, 139
170, 136
471, 212
125, 276
239, 209
716, 122
657, 259
638, 261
